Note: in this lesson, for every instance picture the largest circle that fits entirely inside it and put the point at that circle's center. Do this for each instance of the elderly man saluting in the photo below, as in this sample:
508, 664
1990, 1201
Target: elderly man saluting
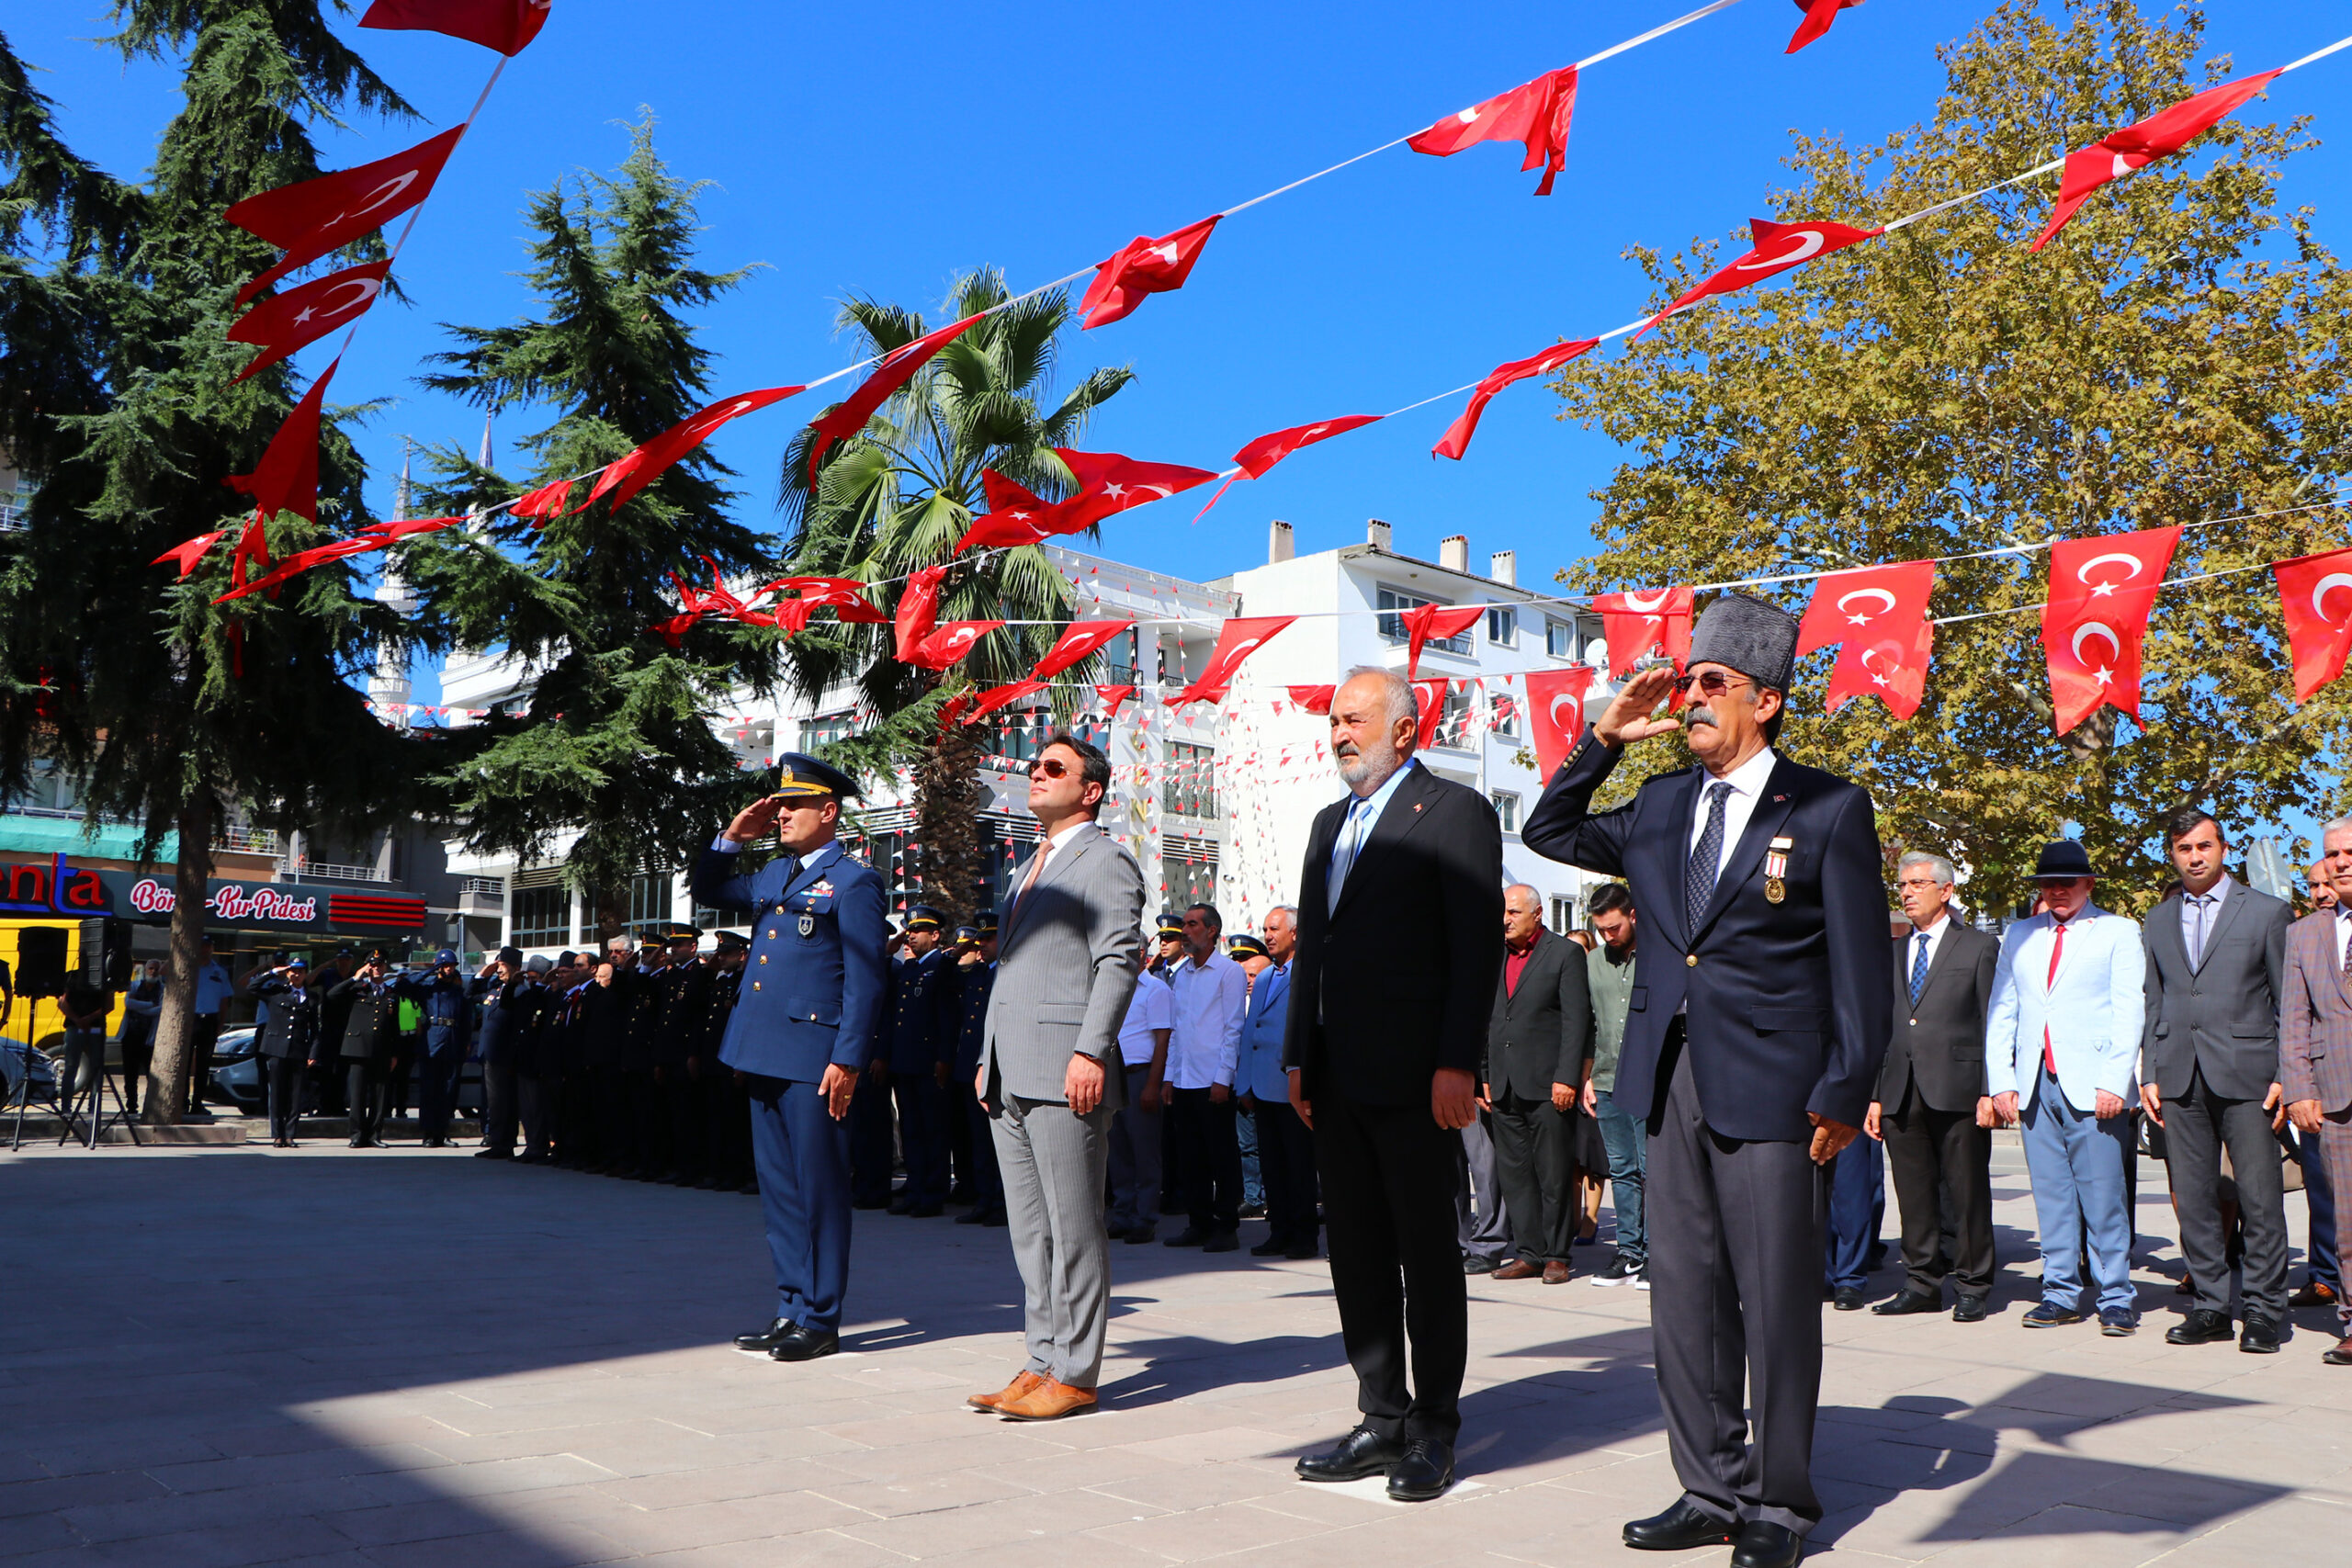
1760, 1016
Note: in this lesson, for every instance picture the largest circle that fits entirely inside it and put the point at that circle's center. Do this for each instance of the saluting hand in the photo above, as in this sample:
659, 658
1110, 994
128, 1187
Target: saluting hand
1629, 717
755, 822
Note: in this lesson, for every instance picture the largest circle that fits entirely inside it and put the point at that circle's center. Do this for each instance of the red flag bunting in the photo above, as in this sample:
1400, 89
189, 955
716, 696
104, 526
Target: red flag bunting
1112, 698
301, 316
1456, 439
673, 630
949, 643
1889, 662
1078, 640
287, 477
1109, 483
918, 609
302, 562
631, 474
952, 710
1556, 712
1430, 697
894, 370
1638, 625
506, 26
308, 220
1313, 699
2101, 590
1434, 623
548, 501
1267, 450
403, 527
1144, 266
1818, 15
1778, 248
996, 697
1864, 603
845, 596
1536, 113
190, 551
2160, 135
2317, 640
1236, 641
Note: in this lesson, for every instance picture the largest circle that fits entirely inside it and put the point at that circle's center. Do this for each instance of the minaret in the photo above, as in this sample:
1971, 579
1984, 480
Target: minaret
389, 686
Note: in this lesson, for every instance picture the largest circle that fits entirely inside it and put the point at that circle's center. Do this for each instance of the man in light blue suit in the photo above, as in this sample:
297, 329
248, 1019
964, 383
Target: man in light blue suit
2061, 1040
1285, 1146
812, 988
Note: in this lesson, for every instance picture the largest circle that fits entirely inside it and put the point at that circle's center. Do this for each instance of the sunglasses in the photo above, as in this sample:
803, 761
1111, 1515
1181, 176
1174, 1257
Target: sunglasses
1713, 683
1052, 767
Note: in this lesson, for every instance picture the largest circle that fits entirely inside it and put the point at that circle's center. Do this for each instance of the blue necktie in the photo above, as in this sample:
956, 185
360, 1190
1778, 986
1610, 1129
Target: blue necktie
1706, 860
1343, 854
1919, 970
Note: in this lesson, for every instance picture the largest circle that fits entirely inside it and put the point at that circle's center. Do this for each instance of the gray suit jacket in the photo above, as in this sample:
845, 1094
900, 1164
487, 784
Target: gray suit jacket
2222, 1016
1066, 967
1939, 1043
2315, 1017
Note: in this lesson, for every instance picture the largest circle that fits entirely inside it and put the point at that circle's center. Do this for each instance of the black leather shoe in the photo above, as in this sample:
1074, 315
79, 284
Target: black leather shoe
974, 1218
1907, 1304
926, 1212
1766, 1546
1477, 1265
805, 1344
1848, 1298
1361, 1453
1425, 1472
766, 1339
2201, 1327
1190, 1236
1223, 1241
1969, 1309
1273, 1246
2261, 1336
1678, 1529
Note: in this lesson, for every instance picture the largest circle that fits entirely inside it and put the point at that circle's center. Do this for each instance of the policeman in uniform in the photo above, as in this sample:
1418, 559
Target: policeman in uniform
916, 1042
799, 1032
447, 1005
1171, 945
975, 976
728, 1132
368, 1041
677, 1068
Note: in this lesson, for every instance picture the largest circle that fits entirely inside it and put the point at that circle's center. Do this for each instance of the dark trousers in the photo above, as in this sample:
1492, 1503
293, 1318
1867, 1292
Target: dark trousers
1941, 1164
286, 1076
802, 1155
1734, 1235
2197, 1127
138, 1056
575, 1120
922, 1136
363, 1092
1532, 1167
1857, 1208
617, 1118
987, 1177
961, 1154
1286, 1162
731, 1127
203, 1029
1388, 1179
501, 1103
396, 1077
2320, 1260
1202, 1159
536, 1100
436, 1085
683, 1092
648, 1115
871, 1156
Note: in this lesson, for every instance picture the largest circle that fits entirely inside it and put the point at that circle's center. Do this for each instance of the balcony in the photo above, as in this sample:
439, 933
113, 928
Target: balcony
323, 871
482, 895
246, 840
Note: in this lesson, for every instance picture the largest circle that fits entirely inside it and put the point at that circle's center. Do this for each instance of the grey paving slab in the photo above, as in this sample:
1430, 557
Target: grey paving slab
375, 1360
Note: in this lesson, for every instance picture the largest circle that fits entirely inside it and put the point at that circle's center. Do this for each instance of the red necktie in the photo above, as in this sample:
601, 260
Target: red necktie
2049, 1057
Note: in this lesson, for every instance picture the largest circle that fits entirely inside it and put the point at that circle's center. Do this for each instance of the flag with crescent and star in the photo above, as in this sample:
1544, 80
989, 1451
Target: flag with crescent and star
1535, 113
286, 480
506, 26
2135, 146
301, 316
2101, 590
1641, 622
1079, 639
1142, 266
1429, 697
996, 697
1556, 712
1112, 698
2319, 632
1778, 248
1266, 451
624, 478
1865, 603
1818, 15
918, 609
187, 552
1456, 439
892, 371
1434, 623
1236, 641
308, 220
1109, 483
948, 643
1889, 662
1015, 516
1313, 699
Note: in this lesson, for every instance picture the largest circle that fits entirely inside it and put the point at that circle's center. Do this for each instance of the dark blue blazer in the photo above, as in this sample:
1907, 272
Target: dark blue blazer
1790, 1005
812, 986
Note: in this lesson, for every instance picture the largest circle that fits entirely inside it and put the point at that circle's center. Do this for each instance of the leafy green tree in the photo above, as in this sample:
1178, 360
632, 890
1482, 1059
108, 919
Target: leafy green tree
896, 498
2174, 355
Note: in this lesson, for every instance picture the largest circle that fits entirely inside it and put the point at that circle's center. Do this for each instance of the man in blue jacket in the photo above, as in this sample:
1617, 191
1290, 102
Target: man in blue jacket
799, 1034
1285, 1147
448, 1004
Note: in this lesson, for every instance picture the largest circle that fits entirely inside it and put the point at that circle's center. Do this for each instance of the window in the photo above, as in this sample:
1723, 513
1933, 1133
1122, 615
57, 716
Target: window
1392, 601
1503, 627
541, 917
1190, 789
1453, 717
17, 494
1559, 639
1189, 881
1507, 807
649, 903
1563, 915
710, 916
1504, 710
826, 728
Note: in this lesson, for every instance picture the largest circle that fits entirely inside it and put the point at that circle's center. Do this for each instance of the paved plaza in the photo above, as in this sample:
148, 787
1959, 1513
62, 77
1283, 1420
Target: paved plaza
416, 1359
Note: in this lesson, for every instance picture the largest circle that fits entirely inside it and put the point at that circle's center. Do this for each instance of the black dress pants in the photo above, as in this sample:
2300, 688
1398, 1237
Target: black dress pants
577, 1143
689, 1119
1388, 1180
1532, 1167
1202, 1156
364, 1091
2198, 1127
1940, 1165
286, 1076
536, 1102
1286, 1165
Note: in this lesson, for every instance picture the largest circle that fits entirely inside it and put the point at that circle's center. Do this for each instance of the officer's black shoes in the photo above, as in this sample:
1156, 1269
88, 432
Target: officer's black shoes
493, 1152
1425, 1472
2261, 1336
926, 1212
1190, 1236
1762, 1545
1222, 1241
901, 1205
805, 1344
2201, 1327
1273, 1246
1684, 1526
1909, 1303
1301, 1252
870, 1204
766, 1339
976, 1217
1142, 1236
1361, 1453
997, 1217
1968, 1309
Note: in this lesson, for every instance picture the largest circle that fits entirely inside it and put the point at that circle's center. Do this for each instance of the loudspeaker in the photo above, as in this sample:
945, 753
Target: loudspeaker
40, 961
107, 961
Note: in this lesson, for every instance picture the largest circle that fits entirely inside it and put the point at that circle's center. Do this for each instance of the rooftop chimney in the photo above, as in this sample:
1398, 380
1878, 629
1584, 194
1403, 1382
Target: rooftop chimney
1281, 545
1503, 566
1375, 533
1453, 552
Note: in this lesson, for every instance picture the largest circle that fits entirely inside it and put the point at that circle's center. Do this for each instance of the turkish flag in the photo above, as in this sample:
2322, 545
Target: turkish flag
1456, 439
1889, 662
287, 477
673, 630
1778, 248
622, 479
2101, 590
506, 26
1015, 516
190, 551
949, 643
1079, 639
548, 501
252, 550
1267, 450
892, 371
301, 316
1434, 623
1109, 483
1536, 113
2317, 640
2158, 136
1866, 604
996, 697
1112, 698
308, 220
402, 527
302, 562
1313, 699
845, 595
918, 609
1638, 625
1428, 696
1236, 641
1144, 266
1818, 15
951, 711
1556, 712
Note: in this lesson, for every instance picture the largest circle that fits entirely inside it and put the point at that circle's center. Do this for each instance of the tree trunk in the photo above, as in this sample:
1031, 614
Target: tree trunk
947, 815
175, 1029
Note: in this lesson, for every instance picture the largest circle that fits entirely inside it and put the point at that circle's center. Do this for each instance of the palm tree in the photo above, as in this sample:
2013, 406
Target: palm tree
896, 498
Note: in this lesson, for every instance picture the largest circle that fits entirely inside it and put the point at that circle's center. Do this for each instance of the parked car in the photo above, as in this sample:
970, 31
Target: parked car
12, 1067
238, 1075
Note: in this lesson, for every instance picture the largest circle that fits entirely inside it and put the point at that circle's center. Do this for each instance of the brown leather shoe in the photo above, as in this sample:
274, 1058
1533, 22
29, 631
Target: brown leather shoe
1517, 1269
1049, 1401
1013, 1390
2314, 1293
1555, 1273
2342, 1355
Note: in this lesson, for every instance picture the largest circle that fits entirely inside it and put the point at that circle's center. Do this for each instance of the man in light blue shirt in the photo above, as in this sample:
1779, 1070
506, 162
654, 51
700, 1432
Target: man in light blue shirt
1285, 1147
213, 989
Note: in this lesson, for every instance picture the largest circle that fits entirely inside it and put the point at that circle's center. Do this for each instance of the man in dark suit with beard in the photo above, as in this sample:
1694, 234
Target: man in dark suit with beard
1760, 1016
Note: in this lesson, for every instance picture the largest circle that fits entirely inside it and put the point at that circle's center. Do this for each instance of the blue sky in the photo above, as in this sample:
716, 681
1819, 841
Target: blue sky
883, 149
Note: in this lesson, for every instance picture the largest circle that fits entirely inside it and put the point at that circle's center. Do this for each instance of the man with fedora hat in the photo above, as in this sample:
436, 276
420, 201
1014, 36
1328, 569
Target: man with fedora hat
1759, 1018
2061, 1040
799, 1034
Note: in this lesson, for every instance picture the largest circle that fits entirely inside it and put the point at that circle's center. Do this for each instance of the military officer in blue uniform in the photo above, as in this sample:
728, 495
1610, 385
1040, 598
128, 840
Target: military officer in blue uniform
803, 1017
918, 1041
975, 976
448, 1004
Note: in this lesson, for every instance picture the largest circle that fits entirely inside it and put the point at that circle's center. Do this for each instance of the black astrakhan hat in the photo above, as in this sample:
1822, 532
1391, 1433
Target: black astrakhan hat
1757, 639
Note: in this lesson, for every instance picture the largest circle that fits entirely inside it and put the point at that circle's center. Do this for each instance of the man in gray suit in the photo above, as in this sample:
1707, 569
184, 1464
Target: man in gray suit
1051, 1075
2209, 1077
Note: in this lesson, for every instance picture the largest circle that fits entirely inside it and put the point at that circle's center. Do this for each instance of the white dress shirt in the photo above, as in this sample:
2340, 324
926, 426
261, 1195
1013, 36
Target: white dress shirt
1041, 862
1935, 935
1747, 783
1355, 828
2342, 929
1212, 999
1153, 1007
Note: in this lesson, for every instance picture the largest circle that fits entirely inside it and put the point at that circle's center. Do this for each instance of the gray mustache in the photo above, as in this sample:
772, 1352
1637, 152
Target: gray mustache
1700, 714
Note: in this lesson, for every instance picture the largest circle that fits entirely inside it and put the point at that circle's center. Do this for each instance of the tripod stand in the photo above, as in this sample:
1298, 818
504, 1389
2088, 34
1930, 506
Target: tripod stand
100, 1119
25, 1082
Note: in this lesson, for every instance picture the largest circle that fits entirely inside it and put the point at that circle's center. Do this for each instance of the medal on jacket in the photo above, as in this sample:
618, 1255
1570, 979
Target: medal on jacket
808, 925
1776, 868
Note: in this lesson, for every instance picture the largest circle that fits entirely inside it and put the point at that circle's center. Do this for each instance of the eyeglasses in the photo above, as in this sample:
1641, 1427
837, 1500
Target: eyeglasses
1052, 767
1713, 683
